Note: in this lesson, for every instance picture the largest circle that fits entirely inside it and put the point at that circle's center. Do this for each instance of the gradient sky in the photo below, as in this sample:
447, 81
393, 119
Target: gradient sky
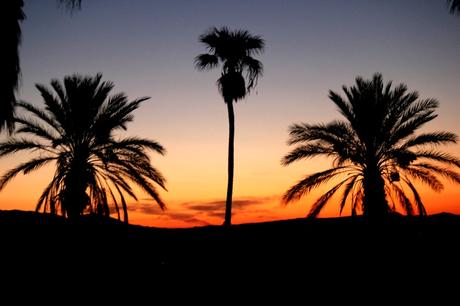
147, 49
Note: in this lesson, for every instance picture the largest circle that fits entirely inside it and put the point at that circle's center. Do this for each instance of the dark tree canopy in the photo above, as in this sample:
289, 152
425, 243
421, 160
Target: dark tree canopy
454, 6
76, 131
376, 152
11, 15
234, 51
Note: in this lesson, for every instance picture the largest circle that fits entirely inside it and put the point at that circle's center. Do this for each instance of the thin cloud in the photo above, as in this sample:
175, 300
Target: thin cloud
217, 214
205, 207
197, 212
238, 204
145, 208
186, 217
216, 209
153, 209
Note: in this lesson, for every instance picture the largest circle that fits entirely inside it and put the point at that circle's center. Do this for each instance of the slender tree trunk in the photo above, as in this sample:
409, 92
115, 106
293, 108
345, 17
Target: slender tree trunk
231, 149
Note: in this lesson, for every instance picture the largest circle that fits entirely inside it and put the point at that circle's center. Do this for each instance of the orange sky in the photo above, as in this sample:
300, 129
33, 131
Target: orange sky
147, 49
197, 188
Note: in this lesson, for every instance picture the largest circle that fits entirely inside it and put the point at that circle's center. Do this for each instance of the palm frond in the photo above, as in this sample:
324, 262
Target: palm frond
322, 201
123, 203
439, 156
417, 108
115, 202
333, 133
417, 198
14, 145
425, 177
255, 44
53, 106
403, 200
25, 168
213, 37
309, 182
142, 181
436, 138
305, 152
34, 128
454, 6
206, 61
254, 70
442, 171
122, 116
140, 143
344, 107
47, 197
120, 183
348, 188
40, 114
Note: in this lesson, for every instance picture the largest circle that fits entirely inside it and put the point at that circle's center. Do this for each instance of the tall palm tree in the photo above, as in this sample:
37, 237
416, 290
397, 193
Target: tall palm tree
234, 51
454, 6
76, 132
12, 15
376, 153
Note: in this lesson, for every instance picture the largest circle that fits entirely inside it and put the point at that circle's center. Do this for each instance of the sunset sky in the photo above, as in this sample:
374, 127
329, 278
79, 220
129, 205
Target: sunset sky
147, 48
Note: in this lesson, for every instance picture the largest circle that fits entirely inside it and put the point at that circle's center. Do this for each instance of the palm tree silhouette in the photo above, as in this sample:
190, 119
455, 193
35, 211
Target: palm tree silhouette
12, 15
234, 50
375, 150
76, 132
454, 6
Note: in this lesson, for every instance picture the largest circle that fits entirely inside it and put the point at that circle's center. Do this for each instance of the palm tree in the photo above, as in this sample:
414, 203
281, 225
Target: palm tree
71, 4
12, 15
76, 132
377, 155
454, 6
234, 51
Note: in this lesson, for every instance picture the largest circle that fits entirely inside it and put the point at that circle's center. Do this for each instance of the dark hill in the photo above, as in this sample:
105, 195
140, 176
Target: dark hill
323, 249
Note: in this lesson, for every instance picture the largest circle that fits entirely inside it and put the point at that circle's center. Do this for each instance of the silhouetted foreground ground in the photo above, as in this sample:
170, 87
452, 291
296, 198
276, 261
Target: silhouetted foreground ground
325, 250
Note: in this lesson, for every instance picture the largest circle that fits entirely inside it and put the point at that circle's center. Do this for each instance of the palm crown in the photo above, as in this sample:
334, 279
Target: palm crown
235, 51
454, 6
375, 150
76, 131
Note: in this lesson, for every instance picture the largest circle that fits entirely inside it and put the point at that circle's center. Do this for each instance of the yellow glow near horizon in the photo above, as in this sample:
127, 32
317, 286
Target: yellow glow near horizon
147, 49
258, 191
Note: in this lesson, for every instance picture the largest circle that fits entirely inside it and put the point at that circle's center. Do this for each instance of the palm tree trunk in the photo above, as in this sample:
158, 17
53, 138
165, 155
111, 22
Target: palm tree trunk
375, 205
76, 182
231, 166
